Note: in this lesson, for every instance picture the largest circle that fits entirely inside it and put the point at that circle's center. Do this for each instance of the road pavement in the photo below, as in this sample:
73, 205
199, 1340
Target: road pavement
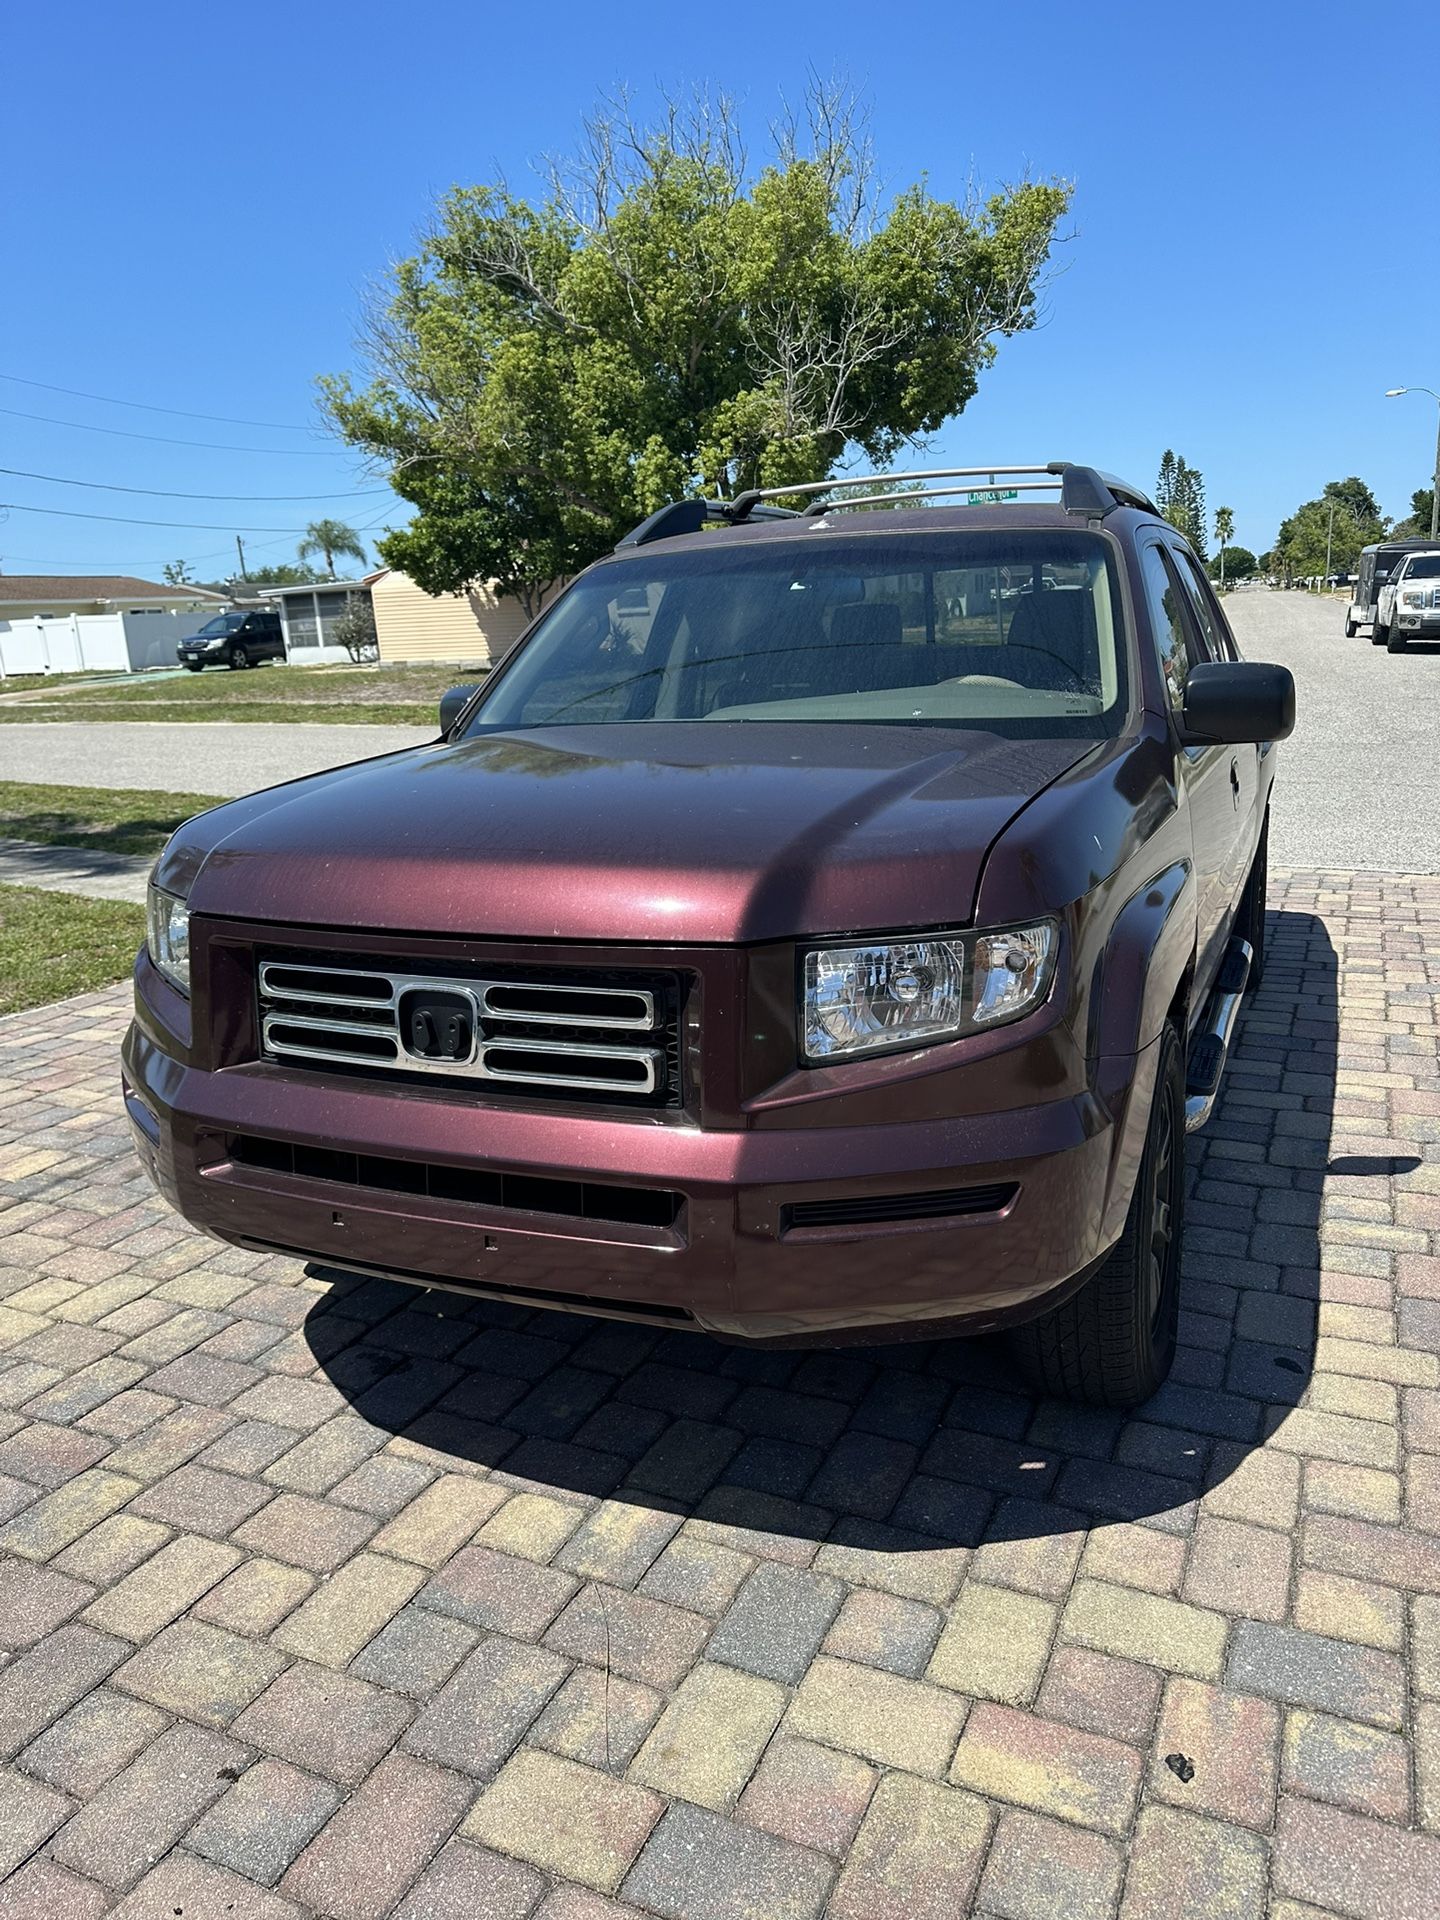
188, 758
1359, 781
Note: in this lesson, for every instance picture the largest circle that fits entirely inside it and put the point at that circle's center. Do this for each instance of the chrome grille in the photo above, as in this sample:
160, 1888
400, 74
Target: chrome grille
550, 1035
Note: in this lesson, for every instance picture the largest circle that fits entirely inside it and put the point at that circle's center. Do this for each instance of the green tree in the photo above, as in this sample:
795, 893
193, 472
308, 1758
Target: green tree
355, 629
1224, 533
178, 574
1417, 526
670, 320
1338, 524
1180, 496
1232, 564
327, 538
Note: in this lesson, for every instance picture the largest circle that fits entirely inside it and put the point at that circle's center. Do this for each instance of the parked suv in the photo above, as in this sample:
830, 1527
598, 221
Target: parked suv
233, 640
824, 925
1410, 602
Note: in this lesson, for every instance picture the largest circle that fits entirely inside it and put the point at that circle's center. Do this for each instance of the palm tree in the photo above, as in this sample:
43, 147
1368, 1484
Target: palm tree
1224, 532
329, 537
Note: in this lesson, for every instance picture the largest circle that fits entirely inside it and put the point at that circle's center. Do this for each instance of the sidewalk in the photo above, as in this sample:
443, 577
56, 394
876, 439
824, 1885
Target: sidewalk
104, 876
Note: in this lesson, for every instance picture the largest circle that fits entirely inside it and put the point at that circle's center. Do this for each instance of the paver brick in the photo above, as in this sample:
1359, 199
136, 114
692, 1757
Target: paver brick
777, 1622
495, 1591
698, 1865
1049, 1768
917, 1855
619, 1543
994, 1644
599, 1719
645, 1640
1100, 1694
1347, 1765
365, 1858
199, 1500
1340, 1608
879, 1630
307, 1533
810, 1795
1345, 1863
329, 1723
1125, 1554
200, 1671
530, 1526
184, 1884
162, 1587
1144, 1626
1238, 1569
263, 1822
92, 1742
58, 1519
416, 1653
709, 1739
256, 1597
1039, 1869
880, 1716
1232, 1742
49, 1454
465, 1882
1183, 1867
29, 1814
34, 1600
568, 1819
1305, 1670
479, 1717
348, 1610
44, 1891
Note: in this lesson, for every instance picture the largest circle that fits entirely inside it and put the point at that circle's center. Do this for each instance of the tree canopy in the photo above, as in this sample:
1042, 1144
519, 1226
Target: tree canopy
669, 319
326, 539
1180, 496
1240, 564
1345, 518
1422, 503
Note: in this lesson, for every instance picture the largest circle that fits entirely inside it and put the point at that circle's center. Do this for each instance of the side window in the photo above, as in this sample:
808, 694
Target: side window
1167, 620
1214, 633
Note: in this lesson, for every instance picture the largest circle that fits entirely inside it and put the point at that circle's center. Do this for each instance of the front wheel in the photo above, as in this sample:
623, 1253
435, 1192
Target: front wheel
1394, 642
1112, 1343
1379, 635
239, 659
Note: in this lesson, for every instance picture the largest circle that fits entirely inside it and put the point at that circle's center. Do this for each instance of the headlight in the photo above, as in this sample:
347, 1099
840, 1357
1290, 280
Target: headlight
1413, 599
167, 936
902, 993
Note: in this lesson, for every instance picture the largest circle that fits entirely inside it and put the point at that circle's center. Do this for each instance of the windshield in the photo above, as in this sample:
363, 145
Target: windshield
1017, 633
223, 623
1426, 567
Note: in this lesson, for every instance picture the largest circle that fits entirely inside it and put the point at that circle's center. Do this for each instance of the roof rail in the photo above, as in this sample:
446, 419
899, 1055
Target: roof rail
1082, 490
689, 516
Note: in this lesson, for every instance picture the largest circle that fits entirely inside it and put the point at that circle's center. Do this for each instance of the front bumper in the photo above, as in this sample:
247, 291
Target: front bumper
1419, 623
733, 1261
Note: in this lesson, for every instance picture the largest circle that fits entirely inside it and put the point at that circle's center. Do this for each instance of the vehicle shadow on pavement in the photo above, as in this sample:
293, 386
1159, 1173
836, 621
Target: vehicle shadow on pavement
912, 1448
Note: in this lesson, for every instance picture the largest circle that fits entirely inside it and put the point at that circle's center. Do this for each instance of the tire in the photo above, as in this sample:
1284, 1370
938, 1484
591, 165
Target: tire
1394, 642
1379, 636
1112, 1343
1250, 920
239, 659
1350, 629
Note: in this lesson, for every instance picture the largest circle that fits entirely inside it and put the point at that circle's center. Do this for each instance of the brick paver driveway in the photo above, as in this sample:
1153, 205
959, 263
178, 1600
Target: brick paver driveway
337, 1599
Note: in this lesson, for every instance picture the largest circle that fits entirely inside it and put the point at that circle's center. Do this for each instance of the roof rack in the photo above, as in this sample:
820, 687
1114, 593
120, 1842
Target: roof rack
1083, 490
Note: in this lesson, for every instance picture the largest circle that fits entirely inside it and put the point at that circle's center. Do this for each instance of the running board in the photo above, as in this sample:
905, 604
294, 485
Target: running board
1211, 1046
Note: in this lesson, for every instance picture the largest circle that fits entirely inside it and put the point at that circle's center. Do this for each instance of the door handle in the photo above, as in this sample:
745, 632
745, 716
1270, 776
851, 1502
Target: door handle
1235, 781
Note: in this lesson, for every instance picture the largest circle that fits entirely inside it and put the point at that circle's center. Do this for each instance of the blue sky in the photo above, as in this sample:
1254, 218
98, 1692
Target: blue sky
206, 193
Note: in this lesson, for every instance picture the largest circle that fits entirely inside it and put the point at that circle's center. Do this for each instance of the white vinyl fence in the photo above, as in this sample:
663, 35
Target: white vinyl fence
96, 642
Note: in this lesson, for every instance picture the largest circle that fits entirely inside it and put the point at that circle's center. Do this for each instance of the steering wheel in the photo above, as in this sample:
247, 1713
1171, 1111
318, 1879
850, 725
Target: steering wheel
1045, 653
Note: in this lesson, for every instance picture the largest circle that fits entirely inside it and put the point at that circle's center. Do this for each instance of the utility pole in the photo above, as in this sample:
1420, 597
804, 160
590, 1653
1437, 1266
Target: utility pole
1393, 393
1329, 540
240, 549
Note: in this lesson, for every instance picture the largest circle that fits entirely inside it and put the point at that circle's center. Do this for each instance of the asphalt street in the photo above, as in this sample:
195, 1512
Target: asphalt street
1359, 781
1359, 784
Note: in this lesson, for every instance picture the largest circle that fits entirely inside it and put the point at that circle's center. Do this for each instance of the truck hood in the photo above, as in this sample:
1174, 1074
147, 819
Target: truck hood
708, 833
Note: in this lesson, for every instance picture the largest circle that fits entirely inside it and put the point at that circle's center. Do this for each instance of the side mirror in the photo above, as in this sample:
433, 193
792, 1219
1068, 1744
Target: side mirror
452, 705
1237, 702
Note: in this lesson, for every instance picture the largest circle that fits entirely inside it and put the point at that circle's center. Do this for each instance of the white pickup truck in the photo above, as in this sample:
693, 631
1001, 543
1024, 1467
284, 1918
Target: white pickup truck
1409, 606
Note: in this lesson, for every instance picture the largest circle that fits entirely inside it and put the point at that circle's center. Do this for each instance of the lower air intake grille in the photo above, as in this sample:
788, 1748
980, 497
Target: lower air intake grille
875, 1208
479, 1186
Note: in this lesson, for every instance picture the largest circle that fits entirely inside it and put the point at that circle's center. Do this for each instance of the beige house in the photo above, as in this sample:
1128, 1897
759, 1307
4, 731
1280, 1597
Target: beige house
476, 627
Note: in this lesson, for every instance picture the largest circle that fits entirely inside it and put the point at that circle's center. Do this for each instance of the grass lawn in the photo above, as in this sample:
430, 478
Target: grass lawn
28, 682
55, 944
374, 696
112, 820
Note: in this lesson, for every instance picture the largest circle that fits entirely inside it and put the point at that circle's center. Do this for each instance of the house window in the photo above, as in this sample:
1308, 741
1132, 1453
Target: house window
301, 627
330, 606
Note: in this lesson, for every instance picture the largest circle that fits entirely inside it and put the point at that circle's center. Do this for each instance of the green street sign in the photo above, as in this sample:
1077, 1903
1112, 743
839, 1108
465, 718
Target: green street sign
994, 497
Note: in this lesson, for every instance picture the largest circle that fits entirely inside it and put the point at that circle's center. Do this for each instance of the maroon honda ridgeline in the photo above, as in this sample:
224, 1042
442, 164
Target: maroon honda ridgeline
824, 926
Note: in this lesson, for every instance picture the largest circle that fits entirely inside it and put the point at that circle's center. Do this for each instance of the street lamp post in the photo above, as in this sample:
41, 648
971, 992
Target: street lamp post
1393, 393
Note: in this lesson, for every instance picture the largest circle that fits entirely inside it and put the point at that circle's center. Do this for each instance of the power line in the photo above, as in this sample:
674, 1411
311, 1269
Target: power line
106, 400
166, 440
168, 493
125, 520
